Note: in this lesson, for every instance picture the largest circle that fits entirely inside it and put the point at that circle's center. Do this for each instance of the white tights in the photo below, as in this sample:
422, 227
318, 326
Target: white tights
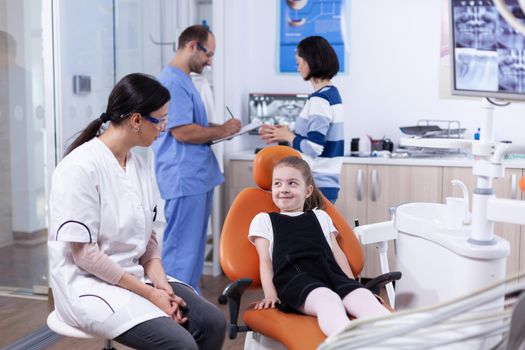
331, 311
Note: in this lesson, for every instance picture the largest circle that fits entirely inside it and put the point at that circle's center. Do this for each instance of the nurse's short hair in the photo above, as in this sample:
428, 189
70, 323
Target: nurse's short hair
320, 56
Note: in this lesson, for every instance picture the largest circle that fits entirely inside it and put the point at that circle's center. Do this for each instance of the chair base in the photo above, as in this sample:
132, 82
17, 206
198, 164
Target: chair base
108, 345
257, 341
62, 328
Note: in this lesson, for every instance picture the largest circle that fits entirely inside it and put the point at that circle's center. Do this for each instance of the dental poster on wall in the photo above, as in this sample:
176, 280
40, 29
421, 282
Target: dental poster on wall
302, 18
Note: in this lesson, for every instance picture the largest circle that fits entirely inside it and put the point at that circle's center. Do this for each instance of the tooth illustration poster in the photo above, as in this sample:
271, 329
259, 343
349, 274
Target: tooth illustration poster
302, 18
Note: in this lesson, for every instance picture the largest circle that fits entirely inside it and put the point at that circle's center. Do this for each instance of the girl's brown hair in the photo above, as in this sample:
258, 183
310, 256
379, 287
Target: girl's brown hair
316, 199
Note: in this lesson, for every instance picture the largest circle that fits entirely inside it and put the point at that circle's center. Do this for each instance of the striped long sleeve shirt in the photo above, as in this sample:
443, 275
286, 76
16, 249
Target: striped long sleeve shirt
319, 135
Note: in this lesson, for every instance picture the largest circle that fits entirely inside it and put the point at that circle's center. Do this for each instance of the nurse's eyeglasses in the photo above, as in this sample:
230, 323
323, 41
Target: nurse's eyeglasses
205, 50
158, 122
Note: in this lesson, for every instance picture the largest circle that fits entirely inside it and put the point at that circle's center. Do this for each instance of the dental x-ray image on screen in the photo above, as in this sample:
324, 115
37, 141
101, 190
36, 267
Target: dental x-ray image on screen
488, 55
276, 108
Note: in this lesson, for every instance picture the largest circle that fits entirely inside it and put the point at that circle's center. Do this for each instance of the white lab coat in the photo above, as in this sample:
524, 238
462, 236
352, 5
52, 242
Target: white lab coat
94, 200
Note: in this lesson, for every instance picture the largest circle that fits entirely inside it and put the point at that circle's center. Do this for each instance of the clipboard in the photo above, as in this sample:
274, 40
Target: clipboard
246, 128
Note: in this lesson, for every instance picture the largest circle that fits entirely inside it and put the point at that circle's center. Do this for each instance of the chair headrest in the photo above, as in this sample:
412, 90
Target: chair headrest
264, 162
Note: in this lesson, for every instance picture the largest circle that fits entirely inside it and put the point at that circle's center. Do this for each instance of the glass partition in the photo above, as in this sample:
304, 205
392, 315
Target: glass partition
23, 233
48, 97
97, 43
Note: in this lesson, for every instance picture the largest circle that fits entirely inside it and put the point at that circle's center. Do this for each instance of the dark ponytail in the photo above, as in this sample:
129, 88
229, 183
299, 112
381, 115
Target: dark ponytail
89, 132
135, 93
316, 200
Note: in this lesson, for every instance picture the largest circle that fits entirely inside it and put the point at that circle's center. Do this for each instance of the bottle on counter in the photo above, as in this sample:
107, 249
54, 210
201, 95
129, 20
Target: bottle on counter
365, 146
354, 147
476, 134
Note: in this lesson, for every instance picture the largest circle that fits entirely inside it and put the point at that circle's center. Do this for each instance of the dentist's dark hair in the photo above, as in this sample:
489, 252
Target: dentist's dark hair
196, 32
135, 93
316, 199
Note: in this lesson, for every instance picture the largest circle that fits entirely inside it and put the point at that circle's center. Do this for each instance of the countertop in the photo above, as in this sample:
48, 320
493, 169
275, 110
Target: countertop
448, 160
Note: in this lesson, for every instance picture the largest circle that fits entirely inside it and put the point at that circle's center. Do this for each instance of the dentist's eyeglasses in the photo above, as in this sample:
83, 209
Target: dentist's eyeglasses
205, 50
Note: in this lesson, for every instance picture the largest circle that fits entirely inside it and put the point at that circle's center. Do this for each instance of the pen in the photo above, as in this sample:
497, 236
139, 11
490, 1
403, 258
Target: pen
231, 114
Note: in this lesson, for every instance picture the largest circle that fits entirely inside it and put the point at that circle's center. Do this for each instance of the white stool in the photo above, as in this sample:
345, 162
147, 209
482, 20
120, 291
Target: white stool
64, 329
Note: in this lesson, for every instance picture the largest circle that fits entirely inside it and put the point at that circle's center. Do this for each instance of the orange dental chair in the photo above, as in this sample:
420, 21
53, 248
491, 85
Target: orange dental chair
240, 261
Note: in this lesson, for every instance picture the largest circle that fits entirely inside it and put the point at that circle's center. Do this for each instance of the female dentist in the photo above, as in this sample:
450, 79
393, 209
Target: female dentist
105, 268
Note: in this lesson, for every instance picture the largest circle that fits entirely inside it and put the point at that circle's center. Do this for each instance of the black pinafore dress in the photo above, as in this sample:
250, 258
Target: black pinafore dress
303, 261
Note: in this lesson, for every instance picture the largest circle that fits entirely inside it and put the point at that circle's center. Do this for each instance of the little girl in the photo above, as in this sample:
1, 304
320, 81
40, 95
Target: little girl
302, 267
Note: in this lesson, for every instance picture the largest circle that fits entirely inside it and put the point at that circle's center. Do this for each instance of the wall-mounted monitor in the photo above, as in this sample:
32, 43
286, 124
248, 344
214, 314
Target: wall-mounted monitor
488, 56
275, 108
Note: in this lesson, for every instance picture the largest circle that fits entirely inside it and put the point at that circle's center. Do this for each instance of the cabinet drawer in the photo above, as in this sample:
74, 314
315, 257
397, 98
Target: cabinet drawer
241, 174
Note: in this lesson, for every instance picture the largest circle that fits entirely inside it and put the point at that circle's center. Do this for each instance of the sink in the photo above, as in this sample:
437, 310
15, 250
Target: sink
432, 218
440, 263
432, 222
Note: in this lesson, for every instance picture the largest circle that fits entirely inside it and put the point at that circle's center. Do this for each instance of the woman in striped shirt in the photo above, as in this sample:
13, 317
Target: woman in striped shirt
319, 128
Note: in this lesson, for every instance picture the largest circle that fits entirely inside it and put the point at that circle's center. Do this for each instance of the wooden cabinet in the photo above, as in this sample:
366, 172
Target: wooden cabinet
369, 191
352, 201
506, 187
391, 185
239, 175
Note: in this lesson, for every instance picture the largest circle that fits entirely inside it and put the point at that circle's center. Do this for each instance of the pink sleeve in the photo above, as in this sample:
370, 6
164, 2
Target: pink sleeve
88, 257
152, 250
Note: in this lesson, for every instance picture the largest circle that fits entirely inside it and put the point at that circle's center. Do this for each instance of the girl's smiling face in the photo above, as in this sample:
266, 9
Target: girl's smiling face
289, 189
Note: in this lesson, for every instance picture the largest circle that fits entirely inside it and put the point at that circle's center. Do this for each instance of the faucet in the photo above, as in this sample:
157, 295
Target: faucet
464, 190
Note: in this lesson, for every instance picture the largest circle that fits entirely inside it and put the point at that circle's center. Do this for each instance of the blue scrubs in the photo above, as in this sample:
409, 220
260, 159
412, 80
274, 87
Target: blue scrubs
186, 175
183, 253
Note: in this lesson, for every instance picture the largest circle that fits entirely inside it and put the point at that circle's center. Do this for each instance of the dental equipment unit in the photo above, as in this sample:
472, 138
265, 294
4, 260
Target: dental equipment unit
444, 252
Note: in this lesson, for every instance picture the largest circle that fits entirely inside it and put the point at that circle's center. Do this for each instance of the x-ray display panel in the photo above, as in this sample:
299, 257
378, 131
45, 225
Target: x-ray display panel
276, 109
488, 55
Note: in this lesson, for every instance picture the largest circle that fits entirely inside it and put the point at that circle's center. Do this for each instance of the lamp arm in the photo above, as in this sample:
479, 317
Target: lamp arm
503, 149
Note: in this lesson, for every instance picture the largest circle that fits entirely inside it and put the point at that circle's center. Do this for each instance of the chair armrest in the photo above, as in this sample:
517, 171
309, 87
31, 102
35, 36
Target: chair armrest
232, 295
379, 234
375, 233
379, 282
